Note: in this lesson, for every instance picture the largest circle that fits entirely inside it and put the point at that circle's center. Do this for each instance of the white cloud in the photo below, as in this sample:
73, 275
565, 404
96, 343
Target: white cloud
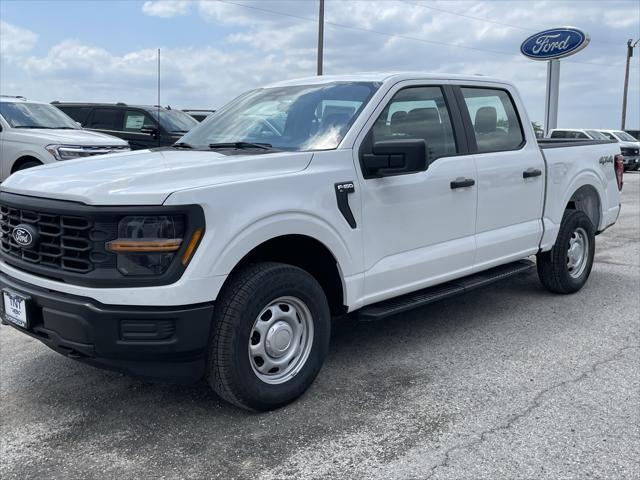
262, 47
15, 40
166, 8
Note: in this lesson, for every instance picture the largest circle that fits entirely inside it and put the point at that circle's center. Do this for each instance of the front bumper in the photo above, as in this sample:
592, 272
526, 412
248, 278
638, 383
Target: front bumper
167, 343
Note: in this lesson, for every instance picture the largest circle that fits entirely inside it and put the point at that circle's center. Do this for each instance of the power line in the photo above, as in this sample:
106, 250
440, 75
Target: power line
487, 20
393, 35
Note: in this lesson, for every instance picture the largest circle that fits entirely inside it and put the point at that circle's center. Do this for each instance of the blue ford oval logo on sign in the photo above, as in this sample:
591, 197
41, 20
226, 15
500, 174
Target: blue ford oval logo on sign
554, 43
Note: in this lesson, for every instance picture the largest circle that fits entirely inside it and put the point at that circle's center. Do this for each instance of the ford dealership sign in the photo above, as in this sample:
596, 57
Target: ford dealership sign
554, 43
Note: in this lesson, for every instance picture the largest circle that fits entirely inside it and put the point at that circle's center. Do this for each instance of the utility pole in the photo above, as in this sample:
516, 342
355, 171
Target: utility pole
630, 47
320, 36
158, 106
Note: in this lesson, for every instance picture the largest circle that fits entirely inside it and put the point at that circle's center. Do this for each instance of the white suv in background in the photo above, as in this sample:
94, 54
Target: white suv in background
577, 133
629, 146
34, 133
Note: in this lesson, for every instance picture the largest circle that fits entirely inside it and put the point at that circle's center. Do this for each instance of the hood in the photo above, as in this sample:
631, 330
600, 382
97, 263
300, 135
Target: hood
66, 137
147, 177
629, 144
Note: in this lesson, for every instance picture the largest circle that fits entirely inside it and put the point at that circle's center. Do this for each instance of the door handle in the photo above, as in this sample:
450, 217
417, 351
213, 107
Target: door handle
462, 182
531, 172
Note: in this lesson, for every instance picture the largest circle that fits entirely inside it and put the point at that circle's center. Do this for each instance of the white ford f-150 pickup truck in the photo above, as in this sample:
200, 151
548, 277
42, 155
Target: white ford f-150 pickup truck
226, 255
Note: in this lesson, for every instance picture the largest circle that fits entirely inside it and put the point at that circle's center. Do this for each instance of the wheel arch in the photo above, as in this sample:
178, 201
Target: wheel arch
586, 198
294, 249
20, 161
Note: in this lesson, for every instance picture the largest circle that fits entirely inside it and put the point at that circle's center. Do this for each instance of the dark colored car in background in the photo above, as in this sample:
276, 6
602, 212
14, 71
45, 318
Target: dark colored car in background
137, 124
199, 115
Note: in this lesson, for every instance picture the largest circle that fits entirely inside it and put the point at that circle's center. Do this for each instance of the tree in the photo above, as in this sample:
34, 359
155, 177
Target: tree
537, 128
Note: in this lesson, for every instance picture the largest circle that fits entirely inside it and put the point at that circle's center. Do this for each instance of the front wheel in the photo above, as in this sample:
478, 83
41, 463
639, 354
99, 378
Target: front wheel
270, 336
566, 268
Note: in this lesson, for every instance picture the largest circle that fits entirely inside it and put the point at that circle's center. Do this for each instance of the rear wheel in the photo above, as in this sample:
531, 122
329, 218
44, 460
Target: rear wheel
270, 336
566, 268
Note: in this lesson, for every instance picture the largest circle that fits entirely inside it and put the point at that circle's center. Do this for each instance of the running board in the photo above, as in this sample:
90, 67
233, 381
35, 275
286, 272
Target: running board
413, 300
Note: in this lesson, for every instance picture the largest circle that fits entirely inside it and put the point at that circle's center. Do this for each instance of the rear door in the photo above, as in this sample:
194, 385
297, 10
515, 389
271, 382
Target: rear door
418, 227
511, 175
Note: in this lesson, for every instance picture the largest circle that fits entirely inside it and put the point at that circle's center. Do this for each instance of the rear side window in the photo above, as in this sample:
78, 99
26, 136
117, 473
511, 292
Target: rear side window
495, 122
106, 119
418, 113
559, 134
79, 114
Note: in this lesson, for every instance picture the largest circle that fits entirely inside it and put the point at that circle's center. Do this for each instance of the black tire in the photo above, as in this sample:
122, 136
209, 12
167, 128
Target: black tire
248, 292
553, 269
28, 164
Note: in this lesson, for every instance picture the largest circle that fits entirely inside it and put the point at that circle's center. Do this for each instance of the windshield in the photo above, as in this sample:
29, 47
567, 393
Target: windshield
35, 115
624, 136
309, 117
596, 135
175, 121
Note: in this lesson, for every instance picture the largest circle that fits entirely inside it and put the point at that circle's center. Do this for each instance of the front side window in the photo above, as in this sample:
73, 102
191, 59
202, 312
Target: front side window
418, 113
610, 136
295, 118
558, 134
135, 120
35, 115
495, 122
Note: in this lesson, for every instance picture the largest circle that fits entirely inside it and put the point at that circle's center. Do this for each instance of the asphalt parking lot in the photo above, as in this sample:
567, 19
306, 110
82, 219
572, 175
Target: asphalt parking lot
508, 382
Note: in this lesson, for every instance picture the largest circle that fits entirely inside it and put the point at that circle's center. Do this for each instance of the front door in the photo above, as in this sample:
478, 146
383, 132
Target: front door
418, 228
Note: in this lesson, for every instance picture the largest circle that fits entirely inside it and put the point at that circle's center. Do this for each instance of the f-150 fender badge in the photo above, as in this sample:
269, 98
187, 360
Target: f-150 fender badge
343, 189
606, 159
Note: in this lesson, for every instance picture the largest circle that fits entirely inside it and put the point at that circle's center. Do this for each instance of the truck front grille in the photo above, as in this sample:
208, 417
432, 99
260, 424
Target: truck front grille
63, 242
70, 240
629, 152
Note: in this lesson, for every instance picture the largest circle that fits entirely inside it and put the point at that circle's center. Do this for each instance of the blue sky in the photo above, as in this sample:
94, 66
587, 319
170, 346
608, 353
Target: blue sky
214, 50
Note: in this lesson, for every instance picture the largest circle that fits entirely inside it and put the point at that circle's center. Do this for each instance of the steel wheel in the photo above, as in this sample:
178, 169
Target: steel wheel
578, 252
281, 339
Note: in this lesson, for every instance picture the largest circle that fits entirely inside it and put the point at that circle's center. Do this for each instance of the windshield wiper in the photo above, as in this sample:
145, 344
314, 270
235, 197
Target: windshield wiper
181, 145
241, 145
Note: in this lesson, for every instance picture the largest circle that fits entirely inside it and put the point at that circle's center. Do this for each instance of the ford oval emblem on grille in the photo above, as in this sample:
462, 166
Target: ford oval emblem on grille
25, 236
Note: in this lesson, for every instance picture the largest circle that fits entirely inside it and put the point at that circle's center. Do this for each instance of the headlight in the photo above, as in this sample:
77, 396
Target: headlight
147, 245
71, 152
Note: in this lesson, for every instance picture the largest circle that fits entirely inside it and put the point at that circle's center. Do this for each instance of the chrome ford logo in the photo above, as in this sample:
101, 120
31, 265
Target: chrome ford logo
554, 43
25, 236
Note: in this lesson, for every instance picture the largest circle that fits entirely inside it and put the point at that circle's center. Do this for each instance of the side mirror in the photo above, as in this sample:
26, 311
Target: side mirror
150, 131
395, 157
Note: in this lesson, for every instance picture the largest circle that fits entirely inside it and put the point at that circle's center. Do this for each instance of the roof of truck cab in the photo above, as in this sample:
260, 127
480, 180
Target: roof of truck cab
384, 77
